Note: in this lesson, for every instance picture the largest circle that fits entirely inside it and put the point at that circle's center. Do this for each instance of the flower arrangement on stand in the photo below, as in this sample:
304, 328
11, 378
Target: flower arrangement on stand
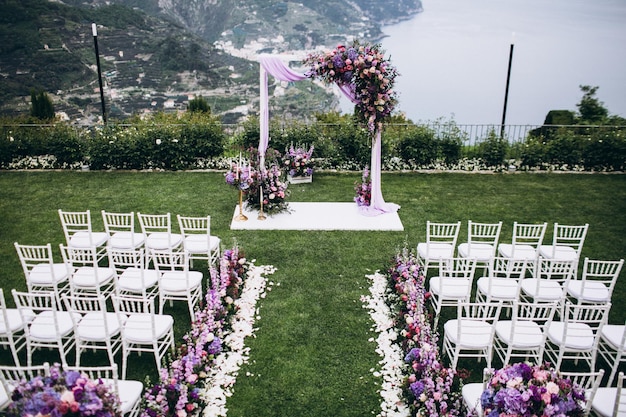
63, 393
363, 69
417, 383
526, 390
269, 187
298, 162
363, 189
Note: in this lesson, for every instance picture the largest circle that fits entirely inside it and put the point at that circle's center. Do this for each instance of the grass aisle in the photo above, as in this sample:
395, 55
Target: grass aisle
311, 355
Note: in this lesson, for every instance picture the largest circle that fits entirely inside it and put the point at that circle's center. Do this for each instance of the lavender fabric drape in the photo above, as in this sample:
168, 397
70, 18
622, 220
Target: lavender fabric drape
273, 65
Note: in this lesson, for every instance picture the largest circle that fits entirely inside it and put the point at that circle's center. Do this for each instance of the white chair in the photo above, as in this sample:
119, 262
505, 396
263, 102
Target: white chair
597, 282
143, 330
12, 328
472, 392
567, 242
157, 231
197, 238
577, 334
453, 283
50, 327
42, 273
176, 281
611, 347
550, 282
525, 243
440, 243
482, 241
524, 335
94, 327
611, 401
132, 274
502, 280
78, 231
129, 391
589, 381
12, 376
87, 275
121, 230
471, 334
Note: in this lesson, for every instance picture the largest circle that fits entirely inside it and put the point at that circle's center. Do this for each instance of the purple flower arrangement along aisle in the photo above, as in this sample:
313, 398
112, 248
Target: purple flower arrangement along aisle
416, 383
202, 373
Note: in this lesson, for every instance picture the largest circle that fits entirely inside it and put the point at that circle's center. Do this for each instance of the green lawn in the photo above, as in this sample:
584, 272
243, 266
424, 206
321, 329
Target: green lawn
311, 355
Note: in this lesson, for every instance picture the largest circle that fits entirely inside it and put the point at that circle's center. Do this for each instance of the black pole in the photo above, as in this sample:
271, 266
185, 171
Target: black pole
506, 92
95, 42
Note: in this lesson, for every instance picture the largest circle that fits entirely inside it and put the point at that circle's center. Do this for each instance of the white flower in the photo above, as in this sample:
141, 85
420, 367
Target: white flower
158, 141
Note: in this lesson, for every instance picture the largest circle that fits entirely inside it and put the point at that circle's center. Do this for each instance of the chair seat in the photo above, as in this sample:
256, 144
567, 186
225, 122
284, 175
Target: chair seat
450, 287
126, 240
595, 292
175, 282
88, 277
604, 401
482, 252
199, 244
471, 396
474, 334
42, 327
91, 326
549, 290
527, 333
82, 239
579, 335
41, 275
501, 288
14, 319
521, 252
613, 334
163, 240
131, 279
129, 391
138, 327
435, 250
563, 253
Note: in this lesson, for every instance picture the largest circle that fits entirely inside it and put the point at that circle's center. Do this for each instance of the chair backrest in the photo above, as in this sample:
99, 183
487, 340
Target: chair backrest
469, 312
121, 259
604, 272
79, 257
557, 270
528, 234
194, 225
541, 313
74, 222
501, 267
463, 268
620, 399
12, 375
483, 233
168, 260
37, 303
572, 236
39, 268
593, 315
588, 381
34, 255
118, 222
151, 223
442, 232
126, 305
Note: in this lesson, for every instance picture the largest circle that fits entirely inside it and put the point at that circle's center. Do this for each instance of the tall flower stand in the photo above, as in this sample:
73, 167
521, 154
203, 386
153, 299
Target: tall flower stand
241, 217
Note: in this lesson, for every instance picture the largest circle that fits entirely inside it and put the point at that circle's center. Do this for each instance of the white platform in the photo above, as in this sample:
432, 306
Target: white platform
319, 216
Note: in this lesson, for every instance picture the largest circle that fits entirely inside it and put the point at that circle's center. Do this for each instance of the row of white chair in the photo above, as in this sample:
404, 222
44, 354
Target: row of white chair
483, 242
129, 391
86, 323
194, 234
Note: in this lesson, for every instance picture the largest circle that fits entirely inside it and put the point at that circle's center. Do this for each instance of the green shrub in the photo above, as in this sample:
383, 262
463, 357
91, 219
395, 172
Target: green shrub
418, 145
493, 149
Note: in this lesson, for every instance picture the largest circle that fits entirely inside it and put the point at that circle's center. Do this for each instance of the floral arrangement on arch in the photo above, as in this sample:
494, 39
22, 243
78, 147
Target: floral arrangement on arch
240, 174
64, 393
363, 189
531, 390
179, 390
363, 69
298, 161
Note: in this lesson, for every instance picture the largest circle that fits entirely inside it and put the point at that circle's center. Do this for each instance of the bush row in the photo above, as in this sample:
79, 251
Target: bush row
198, 140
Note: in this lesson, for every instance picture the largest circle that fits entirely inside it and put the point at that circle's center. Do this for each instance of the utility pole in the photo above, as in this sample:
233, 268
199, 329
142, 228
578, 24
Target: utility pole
95, 42
506, 91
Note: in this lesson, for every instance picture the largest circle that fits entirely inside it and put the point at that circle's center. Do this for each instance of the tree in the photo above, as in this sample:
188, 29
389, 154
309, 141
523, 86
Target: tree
41, 105
591, 110
199, 104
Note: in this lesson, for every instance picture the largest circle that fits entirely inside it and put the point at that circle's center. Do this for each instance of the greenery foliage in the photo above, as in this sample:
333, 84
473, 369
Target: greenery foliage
41, 106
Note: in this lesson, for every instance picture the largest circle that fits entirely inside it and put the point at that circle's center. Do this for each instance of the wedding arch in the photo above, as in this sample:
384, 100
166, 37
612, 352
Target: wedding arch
365, 77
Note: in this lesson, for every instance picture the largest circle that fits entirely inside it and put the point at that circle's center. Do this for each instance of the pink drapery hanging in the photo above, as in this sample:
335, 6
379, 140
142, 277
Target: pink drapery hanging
273, 65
